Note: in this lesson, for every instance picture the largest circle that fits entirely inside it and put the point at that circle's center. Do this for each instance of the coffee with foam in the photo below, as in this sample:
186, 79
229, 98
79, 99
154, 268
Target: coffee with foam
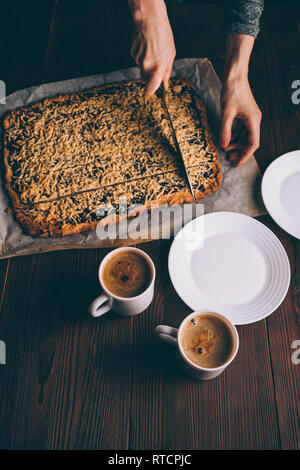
127, 274
207, 340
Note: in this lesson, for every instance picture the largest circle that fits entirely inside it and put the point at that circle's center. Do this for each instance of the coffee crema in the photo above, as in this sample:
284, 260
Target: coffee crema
207, 340
127, 274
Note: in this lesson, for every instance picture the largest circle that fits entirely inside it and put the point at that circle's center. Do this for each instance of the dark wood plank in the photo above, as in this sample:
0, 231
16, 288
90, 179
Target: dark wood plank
68, 379
198, 32
277, 65
4, 265
283, 329
22, 42
88, 38
23, 39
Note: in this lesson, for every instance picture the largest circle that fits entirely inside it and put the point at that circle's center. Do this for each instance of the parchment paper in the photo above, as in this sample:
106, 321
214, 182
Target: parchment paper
238, 193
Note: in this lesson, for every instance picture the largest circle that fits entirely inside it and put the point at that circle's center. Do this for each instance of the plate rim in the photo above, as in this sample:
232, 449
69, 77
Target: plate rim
263, 180
230, 213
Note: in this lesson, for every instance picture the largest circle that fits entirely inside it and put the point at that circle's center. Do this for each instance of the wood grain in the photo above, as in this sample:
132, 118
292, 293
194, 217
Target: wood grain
24, 35
279, 65
96, 38
73, 382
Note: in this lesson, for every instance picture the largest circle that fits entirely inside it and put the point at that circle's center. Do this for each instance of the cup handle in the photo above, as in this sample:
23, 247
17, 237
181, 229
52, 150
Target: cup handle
168, 334
95, 309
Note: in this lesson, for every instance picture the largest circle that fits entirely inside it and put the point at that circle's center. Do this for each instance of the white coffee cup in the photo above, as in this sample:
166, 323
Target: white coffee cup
127, 306
173, 336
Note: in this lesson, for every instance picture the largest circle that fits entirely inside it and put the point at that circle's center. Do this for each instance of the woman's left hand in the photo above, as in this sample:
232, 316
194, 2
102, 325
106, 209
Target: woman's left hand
238, 107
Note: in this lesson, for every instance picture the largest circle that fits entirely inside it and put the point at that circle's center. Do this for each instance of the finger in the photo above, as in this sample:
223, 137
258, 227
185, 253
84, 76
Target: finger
166, 82
167, 76
245, 154
233, 156
153, 82
232, 146
239, 142
253, 126
226, 126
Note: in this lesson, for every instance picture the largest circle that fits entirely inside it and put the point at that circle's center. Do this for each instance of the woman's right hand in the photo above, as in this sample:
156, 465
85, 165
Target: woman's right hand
153, 47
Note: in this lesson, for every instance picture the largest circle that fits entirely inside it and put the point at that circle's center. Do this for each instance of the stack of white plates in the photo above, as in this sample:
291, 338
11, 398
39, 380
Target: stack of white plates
229, 263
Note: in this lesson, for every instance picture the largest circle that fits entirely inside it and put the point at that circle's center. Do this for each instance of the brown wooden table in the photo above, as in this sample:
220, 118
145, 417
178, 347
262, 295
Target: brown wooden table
72, 382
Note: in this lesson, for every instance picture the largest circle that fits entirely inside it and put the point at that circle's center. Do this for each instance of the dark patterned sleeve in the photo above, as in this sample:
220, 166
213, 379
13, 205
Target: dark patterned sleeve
242, 16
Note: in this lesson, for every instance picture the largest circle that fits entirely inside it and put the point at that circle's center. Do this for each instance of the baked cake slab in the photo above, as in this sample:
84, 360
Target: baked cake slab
67, 156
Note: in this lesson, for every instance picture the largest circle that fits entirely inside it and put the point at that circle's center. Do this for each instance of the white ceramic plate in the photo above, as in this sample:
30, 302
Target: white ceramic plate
280, 189
231, 264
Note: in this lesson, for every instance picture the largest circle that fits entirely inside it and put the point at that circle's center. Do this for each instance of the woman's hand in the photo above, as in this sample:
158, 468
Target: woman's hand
153, 47
240, 115
238, 107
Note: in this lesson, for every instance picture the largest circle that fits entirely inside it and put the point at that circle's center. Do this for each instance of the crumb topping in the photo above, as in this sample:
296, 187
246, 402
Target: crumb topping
66, 155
